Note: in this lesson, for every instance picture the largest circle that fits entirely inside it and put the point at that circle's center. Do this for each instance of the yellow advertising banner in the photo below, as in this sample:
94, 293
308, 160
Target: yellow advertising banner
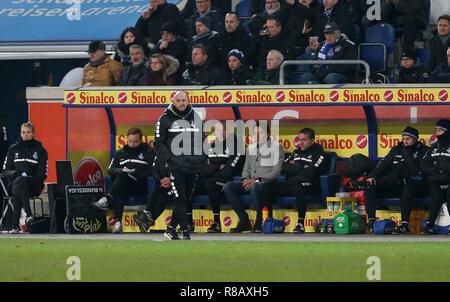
260, 96
204, 218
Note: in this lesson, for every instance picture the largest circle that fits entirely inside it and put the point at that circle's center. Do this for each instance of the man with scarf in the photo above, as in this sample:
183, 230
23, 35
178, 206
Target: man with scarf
101, 69
335, 47
396, 174
436, 165
129, 169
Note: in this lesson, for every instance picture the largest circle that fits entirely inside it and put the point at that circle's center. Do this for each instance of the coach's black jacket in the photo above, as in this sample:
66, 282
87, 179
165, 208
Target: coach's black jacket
172, 124
29, 157
401, 162
436, 162
307, 167
140, 159
220, 154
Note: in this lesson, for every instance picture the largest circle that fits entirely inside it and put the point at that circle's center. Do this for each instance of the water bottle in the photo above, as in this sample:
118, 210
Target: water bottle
265, 213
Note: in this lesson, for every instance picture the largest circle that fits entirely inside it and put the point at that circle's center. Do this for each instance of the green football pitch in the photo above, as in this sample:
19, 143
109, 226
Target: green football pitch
206, 260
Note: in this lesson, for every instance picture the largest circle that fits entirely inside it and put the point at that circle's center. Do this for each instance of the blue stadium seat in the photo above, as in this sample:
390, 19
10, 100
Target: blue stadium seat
381, 33
134, 200
244, 9
375, 54
294, 76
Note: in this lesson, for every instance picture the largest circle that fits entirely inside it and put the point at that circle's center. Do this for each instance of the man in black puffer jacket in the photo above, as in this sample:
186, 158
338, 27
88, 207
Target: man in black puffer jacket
179, 143
302, 169
436, 165
129, 169
394, 176
134, 74
25, 167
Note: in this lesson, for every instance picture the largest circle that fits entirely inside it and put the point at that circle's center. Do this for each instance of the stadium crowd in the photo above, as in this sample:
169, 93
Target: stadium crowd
208, 44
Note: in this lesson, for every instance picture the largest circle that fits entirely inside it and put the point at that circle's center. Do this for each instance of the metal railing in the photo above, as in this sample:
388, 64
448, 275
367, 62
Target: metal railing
324, 62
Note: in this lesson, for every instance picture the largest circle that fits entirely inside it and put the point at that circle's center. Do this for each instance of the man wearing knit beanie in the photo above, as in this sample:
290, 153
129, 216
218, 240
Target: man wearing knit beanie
207, 22
436, 166
393, 177
238, 72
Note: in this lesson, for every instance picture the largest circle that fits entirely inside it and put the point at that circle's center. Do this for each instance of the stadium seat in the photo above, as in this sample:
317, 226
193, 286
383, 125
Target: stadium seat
244, 9
381, 33
134, 200
294, 76
375, 54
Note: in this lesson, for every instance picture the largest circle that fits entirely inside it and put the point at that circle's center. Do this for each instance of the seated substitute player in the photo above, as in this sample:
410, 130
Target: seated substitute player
129, 170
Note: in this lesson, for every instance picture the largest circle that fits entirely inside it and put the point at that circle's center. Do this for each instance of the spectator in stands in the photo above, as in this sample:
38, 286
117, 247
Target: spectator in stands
395, 176
436, 166
172, 43
235, 37
238, 72
162, 70
25, 168
204, 8
129, 36
361, 11
299, 23
261, 6
257, 22
335, 47
134, 74
442, 72
178, 119
101, 69
224, 161
190, 8
204, 36
263, 163
129, 169
158, 13
270, 75
336, 11
275, 38
439, 43
302, 169
200, 71
410, 71
409, 15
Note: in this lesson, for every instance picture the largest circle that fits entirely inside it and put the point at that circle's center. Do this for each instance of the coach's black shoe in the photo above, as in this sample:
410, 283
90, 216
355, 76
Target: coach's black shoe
171, 234
144, 220
403, 228
428, 229
242, 227
214, 228
191, 227
299, 229
185, 235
